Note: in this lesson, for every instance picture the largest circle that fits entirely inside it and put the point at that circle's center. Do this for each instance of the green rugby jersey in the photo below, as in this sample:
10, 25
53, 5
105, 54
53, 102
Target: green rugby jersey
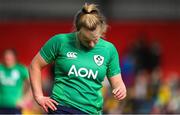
11, 84
79, 72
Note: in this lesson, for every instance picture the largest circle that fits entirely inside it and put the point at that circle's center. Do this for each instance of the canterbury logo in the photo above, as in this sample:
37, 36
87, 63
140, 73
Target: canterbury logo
71, 55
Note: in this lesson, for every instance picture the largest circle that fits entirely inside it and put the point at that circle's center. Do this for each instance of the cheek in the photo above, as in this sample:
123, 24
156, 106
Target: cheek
9, 58
87, 34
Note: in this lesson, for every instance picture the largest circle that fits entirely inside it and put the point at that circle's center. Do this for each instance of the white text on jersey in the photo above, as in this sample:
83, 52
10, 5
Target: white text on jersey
87, 73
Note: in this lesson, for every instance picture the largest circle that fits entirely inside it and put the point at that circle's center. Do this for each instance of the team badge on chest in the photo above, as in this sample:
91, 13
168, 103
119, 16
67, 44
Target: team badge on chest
98, 59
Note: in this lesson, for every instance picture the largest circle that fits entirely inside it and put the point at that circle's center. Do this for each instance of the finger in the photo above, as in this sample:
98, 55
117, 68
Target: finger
51, 105
54, 102
118, 94
114, 91
122, 97
45, 108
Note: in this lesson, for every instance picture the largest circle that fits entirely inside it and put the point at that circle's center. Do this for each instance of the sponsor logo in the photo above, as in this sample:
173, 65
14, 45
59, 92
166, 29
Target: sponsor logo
71, 55
98, 59
9, 80
82, 72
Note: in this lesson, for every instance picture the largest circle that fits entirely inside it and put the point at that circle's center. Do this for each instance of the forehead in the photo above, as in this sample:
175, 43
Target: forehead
9, 52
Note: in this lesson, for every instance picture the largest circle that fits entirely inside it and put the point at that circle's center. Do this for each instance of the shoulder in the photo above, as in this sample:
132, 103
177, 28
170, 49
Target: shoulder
21, 66
108, 47
23, 70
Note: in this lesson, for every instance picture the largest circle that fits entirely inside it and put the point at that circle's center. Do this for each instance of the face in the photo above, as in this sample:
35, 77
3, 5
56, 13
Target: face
9, 58
89, 38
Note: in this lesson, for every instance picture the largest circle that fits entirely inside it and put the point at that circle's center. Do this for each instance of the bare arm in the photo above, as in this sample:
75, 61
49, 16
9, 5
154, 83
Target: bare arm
119, 89
35, 79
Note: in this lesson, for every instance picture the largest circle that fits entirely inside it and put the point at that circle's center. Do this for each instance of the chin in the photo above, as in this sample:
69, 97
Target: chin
90, 48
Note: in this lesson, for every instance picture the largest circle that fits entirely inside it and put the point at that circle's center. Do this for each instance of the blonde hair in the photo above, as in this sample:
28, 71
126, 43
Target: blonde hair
90, 17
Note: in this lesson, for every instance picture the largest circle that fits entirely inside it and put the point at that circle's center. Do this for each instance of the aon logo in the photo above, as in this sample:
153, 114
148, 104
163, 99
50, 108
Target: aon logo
82, 72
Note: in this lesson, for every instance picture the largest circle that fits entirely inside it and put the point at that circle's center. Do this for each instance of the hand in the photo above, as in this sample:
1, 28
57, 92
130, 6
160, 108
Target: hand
47, 102
119, 93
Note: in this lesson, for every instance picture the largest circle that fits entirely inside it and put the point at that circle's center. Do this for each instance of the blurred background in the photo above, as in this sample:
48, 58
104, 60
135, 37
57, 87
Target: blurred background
146, 34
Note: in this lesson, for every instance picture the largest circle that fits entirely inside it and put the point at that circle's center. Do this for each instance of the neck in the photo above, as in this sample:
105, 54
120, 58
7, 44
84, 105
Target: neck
10, 65
78, 39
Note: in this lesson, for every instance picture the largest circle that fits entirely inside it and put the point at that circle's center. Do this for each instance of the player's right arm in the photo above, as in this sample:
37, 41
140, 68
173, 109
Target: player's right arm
35, 79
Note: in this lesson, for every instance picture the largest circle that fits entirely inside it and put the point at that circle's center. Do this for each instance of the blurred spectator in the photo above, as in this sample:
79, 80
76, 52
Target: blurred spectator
163, 98
128, 68
146, 56
174, 105
140, 100
13, 76
142, 73
155, 56
141, 54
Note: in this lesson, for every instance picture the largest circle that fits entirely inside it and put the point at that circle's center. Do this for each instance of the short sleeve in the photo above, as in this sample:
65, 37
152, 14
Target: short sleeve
113, 67
50, 49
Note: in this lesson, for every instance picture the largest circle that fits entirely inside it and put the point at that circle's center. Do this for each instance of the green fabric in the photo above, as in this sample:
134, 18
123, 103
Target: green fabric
79, 72
11, 84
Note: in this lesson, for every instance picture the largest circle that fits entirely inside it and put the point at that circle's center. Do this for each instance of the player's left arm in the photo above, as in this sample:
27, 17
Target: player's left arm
119, 88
